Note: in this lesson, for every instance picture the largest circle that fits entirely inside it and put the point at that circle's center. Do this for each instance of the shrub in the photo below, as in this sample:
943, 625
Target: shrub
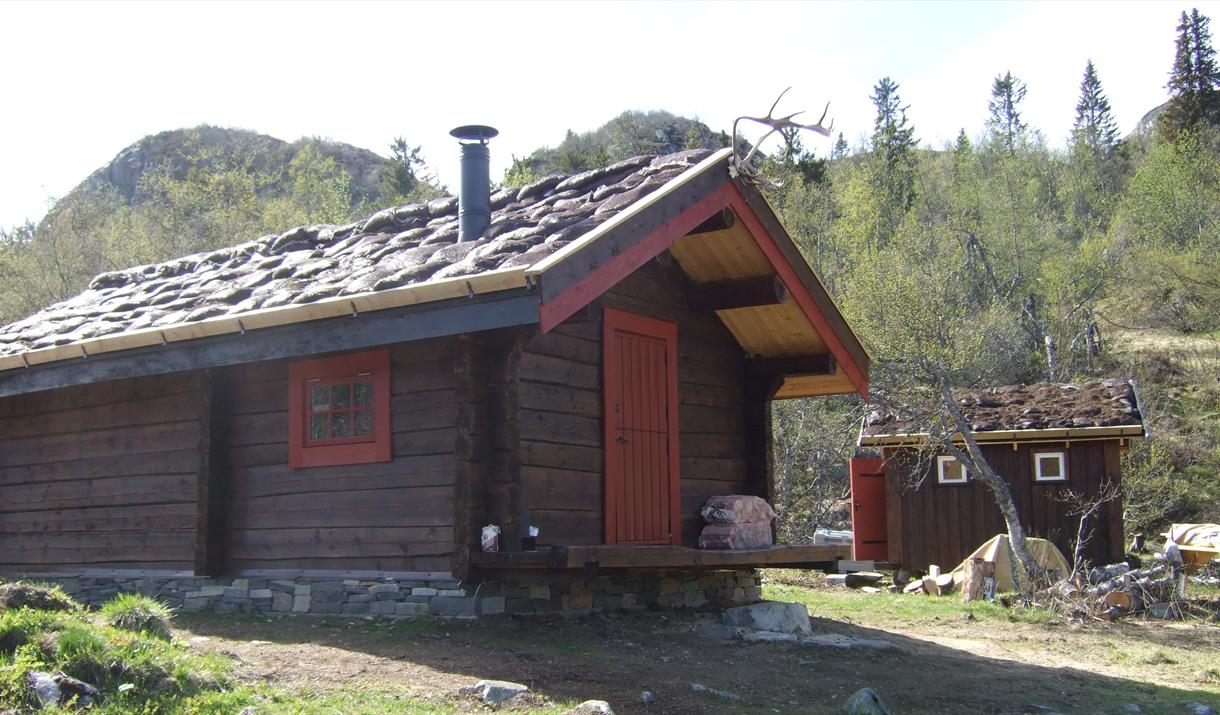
21, 626
40, 596
141, 614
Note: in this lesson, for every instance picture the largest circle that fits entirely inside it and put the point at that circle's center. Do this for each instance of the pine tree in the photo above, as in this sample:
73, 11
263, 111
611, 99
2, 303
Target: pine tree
1005, 121
1094, 127
891, 160
839, 150
1194, 82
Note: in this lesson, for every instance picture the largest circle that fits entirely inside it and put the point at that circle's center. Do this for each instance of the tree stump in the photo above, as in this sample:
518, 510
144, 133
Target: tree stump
979, 581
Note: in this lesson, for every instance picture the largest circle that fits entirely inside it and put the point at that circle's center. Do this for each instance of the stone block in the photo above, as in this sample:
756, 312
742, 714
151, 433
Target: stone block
451, 606
519, 605
450, 592
327, 596
491, 605
207, 591
540, 592
327, 587
281, 601
668, 586
384, 591
411, 609
241, 583
257, 593
302, 589
223, 607
283, 586
194, 604
326, 607
382, 608
301, 604
358, 598
448, 584
355, 609
771, 616
423, 591
233, 592
577, 601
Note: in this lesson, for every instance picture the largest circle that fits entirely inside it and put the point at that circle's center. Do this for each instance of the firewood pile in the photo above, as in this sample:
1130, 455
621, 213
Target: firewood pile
1111, 592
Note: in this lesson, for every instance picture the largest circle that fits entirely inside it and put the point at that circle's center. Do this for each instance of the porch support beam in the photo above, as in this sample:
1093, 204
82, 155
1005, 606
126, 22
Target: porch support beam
740, 293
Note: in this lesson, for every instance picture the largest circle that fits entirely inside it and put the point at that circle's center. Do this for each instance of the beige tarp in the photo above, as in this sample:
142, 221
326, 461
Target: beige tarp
1198, 543
996, 551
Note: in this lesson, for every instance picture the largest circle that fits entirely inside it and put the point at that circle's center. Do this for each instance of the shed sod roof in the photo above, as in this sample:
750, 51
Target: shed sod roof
1039, 411
567, 234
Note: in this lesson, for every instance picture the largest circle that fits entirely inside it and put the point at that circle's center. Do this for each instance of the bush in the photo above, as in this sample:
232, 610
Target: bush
21, 626
141, 614
40, 596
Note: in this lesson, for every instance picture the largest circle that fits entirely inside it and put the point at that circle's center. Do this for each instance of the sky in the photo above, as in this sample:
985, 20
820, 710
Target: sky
79, 82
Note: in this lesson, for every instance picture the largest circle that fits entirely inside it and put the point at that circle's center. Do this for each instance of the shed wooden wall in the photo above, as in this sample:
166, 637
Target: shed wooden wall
100, 476
942, 523
560, 396
395, 516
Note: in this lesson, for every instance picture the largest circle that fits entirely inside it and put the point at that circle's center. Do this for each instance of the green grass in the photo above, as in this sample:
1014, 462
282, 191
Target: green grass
138, 613
857, 607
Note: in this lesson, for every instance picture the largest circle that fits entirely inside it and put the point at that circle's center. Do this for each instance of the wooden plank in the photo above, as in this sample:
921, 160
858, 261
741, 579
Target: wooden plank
142, 489
97, 519
383, 327
87, 396
560, 398
550, 370
108, 442
738, 293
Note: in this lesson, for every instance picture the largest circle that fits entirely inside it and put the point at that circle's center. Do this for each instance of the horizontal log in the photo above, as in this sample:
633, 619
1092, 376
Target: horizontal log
558, 526
739, 293
185, 461
558, 371
115, 490
561, 428
561, 456
152, 410
790, 366
102, 393
559, 398
566, 347
711, 420
387, 564
108, 442
130, 517
546, 488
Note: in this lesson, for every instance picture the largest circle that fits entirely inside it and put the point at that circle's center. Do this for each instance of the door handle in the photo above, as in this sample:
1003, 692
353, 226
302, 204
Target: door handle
623, 439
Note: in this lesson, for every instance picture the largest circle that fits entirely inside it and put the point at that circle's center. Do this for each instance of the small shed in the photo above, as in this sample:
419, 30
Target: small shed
323, 420
914, 504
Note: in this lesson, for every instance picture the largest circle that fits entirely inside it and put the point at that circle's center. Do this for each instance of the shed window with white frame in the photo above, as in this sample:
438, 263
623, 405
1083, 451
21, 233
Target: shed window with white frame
1050, 467
949, 470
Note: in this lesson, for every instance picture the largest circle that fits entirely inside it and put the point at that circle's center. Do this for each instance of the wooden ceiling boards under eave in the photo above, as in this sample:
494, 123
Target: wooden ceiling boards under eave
816, 385
762, 331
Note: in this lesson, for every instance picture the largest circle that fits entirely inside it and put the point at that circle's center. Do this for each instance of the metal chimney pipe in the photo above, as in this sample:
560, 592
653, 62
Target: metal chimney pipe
474, 196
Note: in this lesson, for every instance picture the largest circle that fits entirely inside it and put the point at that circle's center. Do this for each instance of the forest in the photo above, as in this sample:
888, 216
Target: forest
1009, 256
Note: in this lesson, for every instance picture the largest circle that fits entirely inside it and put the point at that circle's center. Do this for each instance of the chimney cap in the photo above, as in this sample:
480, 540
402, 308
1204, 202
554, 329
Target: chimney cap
474, 132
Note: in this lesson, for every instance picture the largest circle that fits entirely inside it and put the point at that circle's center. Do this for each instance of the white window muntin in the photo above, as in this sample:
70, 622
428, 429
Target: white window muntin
1059, 474
949, 470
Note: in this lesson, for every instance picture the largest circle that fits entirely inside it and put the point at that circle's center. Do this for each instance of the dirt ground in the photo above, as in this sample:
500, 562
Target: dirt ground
945, 662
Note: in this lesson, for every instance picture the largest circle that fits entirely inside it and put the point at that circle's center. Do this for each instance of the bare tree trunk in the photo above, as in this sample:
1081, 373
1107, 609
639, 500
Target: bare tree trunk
1027, 568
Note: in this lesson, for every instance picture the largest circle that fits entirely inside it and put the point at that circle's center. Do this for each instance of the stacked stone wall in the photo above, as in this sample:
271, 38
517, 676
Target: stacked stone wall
516, 593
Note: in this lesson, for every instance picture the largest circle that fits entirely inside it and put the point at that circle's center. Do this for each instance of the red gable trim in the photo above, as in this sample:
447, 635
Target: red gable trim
561, 307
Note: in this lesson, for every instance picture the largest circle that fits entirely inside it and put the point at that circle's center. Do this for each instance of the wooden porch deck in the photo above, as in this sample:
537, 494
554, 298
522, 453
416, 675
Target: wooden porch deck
819, 556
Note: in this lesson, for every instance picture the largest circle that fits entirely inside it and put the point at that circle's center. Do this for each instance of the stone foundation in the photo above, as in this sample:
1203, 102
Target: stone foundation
518, 593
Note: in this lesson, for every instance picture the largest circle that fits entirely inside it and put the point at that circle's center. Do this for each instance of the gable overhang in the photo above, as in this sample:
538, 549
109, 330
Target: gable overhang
670, 219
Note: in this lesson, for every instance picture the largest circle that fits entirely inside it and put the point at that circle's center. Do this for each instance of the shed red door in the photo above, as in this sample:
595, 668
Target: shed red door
640, 373
869, 540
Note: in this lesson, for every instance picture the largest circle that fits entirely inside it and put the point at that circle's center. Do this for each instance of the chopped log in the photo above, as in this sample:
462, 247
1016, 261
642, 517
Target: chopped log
902, 577
945, 584
1137, 543
862, 578
870, 589
1105, 573
913, 587
933, 570
836, 579
1118, 598
979, 581
930, 586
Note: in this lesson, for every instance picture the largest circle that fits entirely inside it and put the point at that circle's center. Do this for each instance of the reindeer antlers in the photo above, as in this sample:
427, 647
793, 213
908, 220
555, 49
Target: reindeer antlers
784, 125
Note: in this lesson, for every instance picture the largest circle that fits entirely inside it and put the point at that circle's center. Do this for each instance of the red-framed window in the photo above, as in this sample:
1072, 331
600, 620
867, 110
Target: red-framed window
339, 410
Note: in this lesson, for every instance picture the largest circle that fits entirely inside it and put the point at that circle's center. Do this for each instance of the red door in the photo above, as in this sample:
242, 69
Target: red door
868, 509
640, 374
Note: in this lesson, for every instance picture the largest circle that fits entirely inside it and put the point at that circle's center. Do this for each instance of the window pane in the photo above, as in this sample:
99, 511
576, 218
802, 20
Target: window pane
340, 424
1050, 467
341, 396
319, 399
364, 422
363, 394
318, 426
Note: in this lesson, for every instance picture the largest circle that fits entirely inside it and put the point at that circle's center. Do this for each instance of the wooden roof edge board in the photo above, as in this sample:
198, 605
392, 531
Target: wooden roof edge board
480, 283
622, 217
905, 439
762, 223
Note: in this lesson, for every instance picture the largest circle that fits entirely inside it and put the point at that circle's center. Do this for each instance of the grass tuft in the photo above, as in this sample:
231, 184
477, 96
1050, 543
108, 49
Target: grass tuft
139, 614
42, 596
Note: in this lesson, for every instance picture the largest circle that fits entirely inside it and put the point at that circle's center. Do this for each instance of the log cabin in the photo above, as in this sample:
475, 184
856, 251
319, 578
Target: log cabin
323, 420
913, 504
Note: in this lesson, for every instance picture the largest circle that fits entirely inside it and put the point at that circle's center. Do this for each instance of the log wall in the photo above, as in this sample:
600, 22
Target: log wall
943, 523
101, 476
394, 516
560, 411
